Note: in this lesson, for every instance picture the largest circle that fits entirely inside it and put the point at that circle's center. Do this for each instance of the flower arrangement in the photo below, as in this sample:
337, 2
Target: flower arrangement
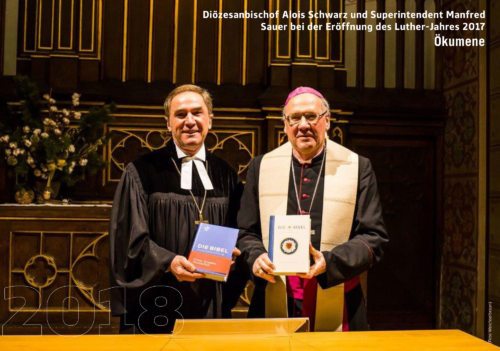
43, 142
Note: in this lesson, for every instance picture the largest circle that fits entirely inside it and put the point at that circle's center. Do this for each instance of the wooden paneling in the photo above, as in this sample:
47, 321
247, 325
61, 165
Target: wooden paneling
207, 41
87, 21
407, 181
134, 51
2, 30
494, 169
137, 40
494, 222
51, 258
337, 37
232, 46
304, 39
170, 41
46, 19
242, 336
256, 52
66, 24
380, 71
113, 40
495, 122
183, 52
419, 48
321, 37
400, 48
492, 327
163, 34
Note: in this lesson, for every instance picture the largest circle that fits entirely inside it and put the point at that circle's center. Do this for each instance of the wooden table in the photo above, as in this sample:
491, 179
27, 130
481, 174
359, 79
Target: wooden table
443, 340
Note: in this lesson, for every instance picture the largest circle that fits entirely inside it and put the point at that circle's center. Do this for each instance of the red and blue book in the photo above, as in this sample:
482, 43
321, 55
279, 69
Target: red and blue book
212, 250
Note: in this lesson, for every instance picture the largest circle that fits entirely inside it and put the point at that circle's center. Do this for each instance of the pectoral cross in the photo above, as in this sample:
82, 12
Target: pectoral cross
200, 219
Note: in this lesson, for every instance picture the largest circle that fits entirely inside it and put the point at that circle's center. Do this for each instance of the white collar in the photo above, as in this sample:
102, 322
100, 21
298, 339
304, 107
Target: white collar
187, 168
200, 155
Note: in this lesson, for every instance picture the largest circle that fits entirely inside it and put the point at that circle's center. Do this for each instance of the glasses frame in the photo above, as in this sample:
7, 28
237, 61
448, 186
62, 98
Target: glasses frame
303, 117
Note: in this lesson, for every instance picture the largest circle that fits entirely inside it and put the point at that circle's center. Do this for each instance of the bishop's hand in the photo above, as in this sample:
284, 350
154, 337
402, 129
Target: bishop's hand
319, 265
263, 268
184, 270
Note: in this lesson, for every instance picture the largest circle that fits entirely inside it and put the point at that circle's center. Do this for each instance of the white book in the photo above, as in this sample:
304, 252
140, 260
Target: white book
289, 238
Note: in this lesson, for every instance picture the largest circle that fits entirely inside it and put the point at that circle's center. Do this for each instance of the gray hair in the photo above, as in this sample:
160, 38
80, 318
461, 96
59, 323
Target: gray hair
207, 98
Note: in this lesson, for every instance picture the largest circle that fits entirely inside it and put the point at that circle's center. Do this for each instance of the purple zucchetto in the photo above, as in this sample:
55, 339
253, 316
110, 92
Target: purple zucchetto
303, 90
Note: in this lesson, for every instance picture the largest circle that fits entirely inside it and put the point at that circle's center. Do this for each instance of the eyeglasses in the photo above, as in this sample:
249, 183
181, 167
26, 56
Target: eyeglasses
310, 117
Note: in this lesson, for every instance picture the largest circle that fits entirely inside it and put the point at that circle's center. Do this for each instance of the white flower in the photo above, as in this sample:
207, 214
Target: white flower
5, 138
53, 108
13, 145
37, 131
37, 172
46, 121
44, 168
46, 97
16, 152
70, 170
27, 143
75, 99
65, 120
71, 148
52, 101
57, 131
21, 151
65, 112
44, 135
83, 162
77, 115
30, 160
26, 129
44, 176
8, 152
73, 164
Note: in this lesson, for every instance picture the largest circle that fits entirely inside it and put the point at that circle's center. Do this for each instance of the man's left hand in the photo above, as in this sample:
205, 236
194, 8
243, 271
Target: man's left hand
236, 252
319, 265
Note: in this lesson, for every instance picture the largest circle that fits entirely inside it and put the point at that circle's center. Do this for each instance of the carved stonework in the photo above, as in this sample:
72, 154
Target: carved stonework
461, 144
461, 162
237, 147
461, 64
458, 299
57, 271
460, 224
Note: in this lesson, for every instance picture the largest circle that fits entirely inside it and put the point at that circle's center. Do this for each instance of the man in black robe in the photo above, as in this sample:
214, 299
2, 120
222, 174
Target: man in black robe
158, 203
338, 190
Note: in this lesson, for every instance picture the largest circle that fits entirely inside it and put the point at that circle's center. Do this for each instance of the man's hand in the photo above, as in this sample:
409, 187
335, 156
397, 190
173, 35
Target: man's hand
319, 265
263, 268
236, 252
234, 255
184, 270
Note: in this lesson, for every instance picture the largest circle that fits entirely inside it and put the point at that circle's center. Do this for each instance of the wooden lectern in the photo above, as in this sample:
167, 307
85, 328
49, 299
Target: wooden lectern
276, 326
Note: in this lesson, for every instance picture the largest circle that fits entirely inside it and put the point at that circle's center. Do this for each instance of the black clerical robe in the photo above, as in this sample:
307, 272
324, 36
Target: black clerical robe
153, 220
345, 262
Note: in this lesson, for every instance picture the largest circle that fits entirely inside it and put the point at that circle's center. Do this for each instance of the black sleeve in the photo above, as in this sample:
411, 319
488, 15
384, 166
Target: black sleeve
135, 259
236, 191
239, 274
250, 236
368, 234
